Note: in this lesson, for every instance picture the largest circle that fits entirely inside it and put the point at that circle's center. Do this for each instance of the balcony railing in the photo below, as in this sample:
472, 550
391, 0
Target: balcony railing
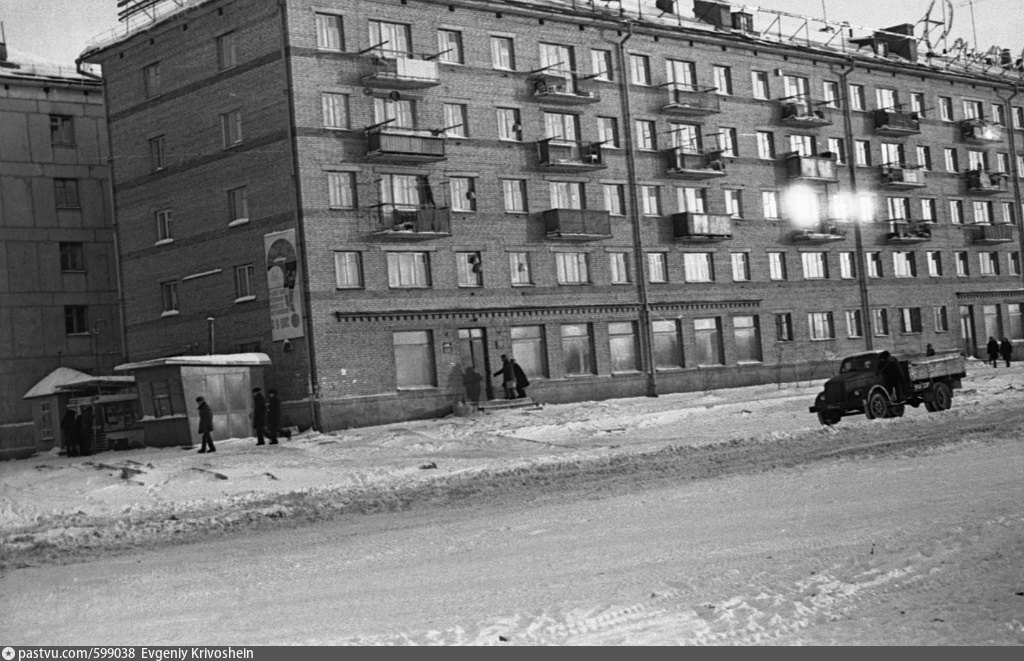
557, 156
987, 183
981, 131
577, 224
402, 73
413, 223
803, 112
684, 164
691, 226
909, 231
403, 146
561, 90
691, 100
824, 232
894, 176
1002, 233
811, 168
896, 123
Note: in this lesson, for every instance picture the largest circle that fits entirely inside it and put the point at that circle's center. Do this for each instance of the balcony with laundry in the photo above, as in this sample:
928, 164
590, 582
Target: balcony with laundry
693, 163
803, 112
691, 100
689, 226
983, 182
577, 225
901, 177
895, 123
555, 155
412, 223
556, 85
401, 73
811, 168
982, 131
905, 231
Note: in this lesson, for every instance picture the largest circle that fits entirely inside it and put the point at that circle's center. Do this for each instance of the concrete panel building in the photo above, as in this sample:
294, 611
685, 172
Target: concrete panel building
386, 196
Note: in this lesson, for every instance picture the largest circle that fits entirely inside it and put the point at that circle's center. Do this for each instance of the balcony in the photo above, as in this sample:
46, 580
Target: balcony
684, 164
557, 156
562, 90
803, 113
824, 232
981, 131
691, 100
981, 182
387, 145
811, 168
908, 232
702, 227
576, 224
414, 224
402, 73
900, 178
987, 234
895, 123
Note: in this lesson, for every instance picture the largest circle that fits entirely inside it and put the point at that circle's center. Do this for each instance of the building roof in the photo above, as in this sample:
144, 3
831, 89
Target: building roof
215, 360
34, 68
52, 382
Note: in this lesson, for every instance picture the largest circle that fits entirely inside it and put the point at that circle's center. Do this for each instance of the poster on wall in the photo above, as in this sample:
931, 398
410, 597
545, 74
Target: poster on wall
284, 285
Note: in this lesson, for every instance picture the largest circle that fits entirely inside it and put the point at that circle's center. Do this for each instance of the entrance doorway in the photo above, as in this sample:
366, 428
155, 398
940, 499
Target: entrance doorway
967, 330
476, 374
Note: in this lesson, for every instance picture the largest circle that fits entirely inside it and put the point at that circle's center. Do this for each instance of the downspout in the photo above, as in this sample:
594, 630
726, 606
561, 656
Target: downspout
313, 383
646, 343
860, 264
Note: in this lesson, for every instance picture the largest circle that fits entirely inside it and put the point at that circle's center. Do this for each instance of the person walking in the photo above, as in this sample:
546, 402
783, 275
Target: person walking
85, 421
521, 381
993, 351
1006, 350
205, 425
273, 415
69, 430
508, 377
259, 414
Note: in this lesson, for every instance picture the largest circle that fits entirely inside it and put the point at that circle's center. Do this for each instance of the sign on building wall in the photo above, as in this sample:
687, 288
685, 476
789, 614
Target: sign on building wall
284, 285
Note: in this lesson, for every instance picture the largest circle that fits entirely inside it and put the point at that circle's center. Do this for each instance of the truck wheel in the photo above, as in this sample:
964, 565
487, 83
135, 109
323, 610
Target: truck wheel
877, 405
827, 419
932, 408
943, 397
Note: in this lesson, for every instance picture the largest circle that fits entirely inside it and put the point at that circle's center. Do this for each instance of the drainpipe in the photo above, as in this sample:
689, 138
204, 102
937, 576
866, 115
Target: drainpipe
861, 266
1015, 172
646, 339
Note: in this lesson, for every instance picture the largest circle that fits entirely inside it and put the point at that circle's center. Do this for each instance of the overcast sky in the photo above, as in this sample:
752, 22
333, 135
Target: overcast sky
58, 30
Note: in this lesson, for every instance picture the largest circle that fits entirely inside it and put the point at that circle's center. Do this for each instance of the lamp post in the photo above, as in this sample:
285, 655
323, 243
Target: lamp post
209, 322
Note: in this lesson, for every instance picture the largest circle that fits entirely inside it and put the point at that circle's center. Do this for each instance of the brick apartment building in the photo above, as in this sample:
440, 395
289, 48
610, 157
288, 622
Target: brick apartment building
58, 289
387, 195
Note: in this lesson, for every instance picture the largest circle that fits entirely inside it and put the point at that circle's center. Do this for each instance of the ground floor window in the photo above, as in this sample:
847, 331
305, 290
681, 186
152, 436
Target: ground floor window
1014, 329
993, 325
708, 349
910, 320
747, 336
941, 319
622, 344
577, 349
668, 352
414, 359
529, 349
821, 325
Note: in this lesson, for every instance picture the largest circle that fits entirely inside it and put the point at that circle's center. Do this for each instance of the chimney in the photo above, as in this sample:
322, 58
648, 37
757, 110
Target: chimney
708, 11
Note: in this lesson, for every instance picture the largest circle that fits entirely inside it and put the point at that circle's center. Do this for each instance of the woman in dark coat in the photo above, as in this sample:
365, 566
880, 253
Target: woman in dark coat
273, 415
205, 425
85, 432
1006, 350
521, 381
993, 351
69, 429
508, 377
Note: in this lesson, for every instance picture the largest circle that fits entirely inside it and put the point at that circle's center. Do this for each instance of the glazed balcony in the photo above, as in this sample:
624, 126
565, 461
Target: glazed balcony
402, 73
681, 163
387, 145
691, 100
561, 89
413, 224
577, 224
901, 178
803, 113
826, 231
981, 182
904, 232
989, 234
559, 156
896, 123
981, 131
811, 168
701, 227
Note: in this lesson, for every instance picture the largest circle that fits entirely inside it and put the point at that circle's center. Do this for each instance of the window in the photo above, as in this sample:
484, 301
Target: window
509, 125
917, 103
924, 157
815, 265
514, 193
681, 73
973, 109
455, 123
977, 160
401, 191
414, 359
903, 265
1013, 263
991, 321
529, 349
777, 266
341, 190
503, 53
874, 264
402, 112
928, 213
982, 212
623, 346
941, 318
601, 63
784, 327
708, 345
765, 145
697, 267
962, 268
770, 204
169, 296
72, 256
519, 268
348, 269
934, 258
390, 39
857, 101
686, 136
910, 320
1002, 162
608, 131
238, 206
164, 225
740, 266
887, 99
759, 83
945, 109
231, 128
470, 268
830, 94
722, 77
854, 324
572, 268
618, 264
75, 320
561, 127
243, 283
747, 339
657, 267
956, 212
156, 153
335, 110
690, 199
226, 57
614, 199
558, 59
566, 194
62, 130
463, 192
862, 153
837, 146
645, 131
328, 32
577, 349
1020, 166
733, 202
847, 266
640, 69
449, 47
408, 269
880, 321
1014, 328
65, 193
893, 154
727, 141
898, 207
151, 80
802, 144
988, 263
1018, 117
668, 353
649, 201
796, 88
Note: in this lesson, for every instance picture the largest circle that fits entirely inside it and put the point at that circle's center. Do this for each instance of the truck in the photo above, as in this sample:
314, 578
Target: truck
881, 385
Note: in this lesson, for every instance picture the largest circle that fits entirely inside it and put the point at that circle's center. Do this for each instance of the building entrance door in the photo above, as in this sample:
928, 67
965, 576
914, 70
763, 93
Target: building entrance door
476, 375
967, 330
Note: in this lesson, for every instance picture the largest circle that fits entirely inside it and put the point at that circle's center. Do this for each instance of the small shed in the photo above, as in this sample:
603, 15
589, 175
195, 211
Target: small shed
49, 401
168, 388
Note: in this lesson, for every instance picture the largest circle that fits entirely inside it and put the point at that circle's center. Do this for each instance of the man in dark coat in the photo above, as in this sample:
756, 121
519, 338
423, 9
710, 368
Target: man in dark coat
85, 432
508, 377
521, 381
1006, 350
273, 415
69, 429
205, 425
259, 414
993, 351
